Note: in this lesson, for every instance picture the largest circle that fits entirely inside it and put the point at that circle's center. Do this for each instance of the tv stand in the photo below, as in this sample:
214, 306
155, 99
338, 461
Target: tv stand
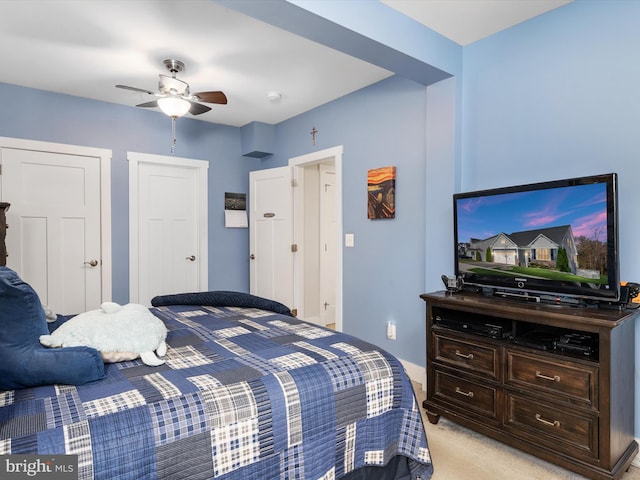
568, 403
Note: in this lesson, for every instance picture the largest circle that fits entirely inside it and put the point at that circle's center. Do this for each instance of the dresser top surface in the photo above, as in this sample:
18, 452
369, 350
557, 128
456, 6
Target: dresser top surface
508, 308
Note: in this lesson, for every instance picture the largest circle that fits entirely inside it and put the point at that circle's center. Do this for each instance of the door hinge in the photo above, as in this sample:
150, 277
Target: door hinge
0, 169
294, 182
294, 247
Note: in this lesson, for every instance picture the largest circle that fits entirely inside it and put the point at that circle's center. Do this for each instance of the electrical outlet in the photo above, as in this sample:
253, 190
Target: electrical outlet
391, 330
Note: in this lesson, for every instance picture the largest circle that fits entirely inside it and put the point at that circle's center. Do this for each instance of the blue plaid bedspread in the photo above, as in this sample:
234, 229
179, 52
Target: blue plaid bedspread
244, 394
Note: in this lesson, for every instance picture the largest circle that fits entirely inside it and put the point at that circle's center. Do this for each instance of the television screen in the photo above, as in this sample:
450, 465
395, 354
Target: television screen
555, 238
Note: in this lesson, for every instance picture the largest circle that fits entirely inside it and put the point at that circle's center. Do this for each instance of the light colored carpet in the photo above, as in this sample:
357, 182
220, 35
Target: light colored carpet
462, 454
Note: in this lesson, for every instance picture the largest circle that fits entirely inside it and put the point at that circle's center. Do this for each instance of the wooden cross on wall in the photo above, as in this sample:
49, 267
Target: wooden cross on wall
313, 133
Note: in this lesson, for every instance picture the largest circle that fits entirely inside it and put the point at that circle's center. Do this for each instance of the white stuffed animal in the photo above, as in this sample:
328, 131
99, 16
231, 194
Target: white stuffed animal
118, 332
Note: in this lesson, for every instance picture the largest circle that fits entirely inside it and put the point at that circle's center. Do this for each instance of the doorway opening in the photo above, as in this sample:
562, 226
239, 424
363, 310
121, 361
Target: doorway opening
317, 210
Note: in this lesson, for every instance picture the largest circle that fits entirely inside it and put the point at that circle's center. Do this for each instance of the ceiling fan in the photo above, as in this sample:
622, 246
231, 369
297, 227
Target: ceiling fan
174, 96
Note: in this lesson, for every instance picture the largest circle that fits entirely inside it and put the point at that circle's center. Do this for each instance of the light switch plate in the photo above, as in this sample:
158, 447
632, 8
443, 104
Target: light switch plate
349, 240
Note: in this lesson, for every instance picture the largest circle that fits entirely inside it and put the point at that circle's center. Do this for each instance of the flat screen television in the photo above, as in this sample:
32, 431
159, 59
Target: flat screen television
550, 240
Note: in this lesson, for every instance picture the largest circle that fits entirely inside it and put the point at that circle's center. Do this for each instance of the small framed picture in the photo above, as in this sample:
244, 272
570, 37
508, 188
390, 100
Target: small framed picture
381, 189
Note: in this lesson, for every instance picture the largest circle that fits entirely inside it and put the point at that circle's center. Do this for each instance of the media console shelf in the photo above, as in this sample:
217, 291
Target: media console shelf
572, 408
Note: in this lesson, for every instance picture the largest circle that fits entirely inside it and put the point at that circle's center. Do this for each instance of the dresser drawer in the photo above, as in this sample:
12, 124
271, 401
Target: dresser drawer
562, 429
470, 355
574, 381
470, 395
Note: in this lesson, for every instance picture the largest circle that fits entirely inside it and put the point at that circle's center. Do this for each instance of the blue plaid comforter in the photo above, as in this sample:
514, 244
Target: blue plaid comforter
244, 394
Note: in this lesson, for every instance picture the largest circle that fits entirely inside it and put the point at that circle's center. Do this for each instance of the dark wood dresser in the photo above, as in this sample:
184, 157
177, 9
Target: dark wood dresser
3, 232
554, 381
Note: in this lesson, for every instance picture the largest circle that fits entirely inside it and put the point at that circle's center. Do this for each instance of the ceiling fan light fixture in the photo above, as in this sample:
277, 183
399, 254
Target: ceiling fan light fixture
174, 106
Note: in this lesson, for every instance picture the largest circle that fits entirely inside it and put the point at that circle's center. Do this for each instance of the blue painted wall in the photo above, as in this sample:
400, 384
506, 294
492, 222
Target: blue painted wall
44, 116
554, 97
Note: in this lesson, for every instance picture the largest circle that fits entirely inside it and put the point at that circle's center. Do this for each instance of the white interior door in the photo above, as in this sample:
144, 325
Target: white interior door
329, 244
271, 221
54, 241
168, 226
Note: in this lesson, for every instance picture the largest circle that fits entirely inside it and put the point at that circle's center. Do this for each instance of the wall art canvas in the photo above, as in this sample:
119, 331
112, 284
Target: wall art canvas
382, 193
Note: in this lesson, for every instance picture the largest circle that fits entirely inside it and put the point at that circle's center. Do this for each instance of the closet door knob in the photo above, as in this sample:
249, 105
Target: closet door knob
192, 258
93, 263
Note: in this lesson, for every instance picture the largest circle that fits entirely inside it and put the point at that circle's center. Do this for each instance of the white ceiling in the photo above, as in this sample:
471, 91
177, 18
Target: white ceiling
466, 21
84, 48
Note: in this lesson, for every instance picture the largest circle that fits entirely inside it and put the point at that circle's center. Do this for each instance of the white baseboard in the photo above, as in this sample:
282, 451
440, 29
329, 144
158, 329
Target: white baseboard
636, 460
416, 373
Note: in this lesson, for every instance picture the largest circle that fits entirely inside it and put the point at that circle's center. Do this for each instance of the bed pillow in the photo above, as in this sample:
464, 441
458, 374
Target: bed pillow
222, 298
23, 361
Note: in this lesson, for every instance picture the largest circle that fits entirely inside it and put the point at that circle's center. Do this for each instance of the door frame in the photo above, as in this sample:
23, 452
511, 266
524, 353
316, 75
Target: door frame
201, 167
104, 155
298, 164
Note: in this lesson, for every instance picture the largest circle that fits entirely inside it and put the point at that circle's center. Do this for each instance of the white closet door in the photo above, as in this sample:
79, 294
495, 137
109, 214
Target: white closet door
54, 240
169, 229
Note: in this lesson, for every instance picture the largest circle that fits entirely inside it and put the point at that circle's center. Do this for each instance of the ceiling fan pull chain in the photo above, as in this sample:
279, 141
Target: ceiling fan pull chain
173, 134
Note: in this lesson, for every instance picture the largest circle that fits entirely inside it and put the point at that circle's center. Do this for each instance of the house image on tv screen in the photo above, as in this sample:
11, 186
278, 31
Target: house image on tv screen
552, 248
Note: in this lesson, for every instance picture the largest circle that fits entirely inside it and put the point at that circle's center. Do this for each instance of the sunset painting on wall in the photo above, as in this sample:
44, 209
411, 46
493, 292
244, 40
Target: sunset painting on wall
381, 193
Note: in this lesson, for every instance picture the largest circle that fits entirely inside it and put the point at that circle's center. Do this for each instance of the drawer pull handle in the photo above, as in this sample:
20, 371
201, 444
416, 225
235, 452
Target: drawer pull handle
555, 378
466, 394
468, 357
555, 423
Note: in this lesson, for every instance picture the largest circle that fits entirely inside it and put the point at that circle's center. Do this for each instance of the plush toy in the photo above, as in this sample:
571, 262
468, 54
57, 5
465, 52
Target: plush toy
118, 332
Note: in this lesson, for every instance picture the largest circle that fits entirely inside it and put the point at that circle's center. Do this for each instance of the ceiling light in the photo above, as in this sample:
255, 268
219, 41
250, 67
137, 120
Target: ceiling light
174, 106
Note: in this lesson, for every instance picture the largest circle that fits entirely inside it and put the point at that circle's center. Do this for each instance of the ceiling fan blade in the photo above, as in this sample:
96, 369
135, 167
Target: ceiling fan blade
153, 103
126, 87
197, 109
211, 97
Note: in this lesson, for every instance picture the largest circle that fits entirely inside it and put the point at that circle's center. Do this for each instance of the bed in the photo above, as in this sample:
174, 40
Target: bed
247, 391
